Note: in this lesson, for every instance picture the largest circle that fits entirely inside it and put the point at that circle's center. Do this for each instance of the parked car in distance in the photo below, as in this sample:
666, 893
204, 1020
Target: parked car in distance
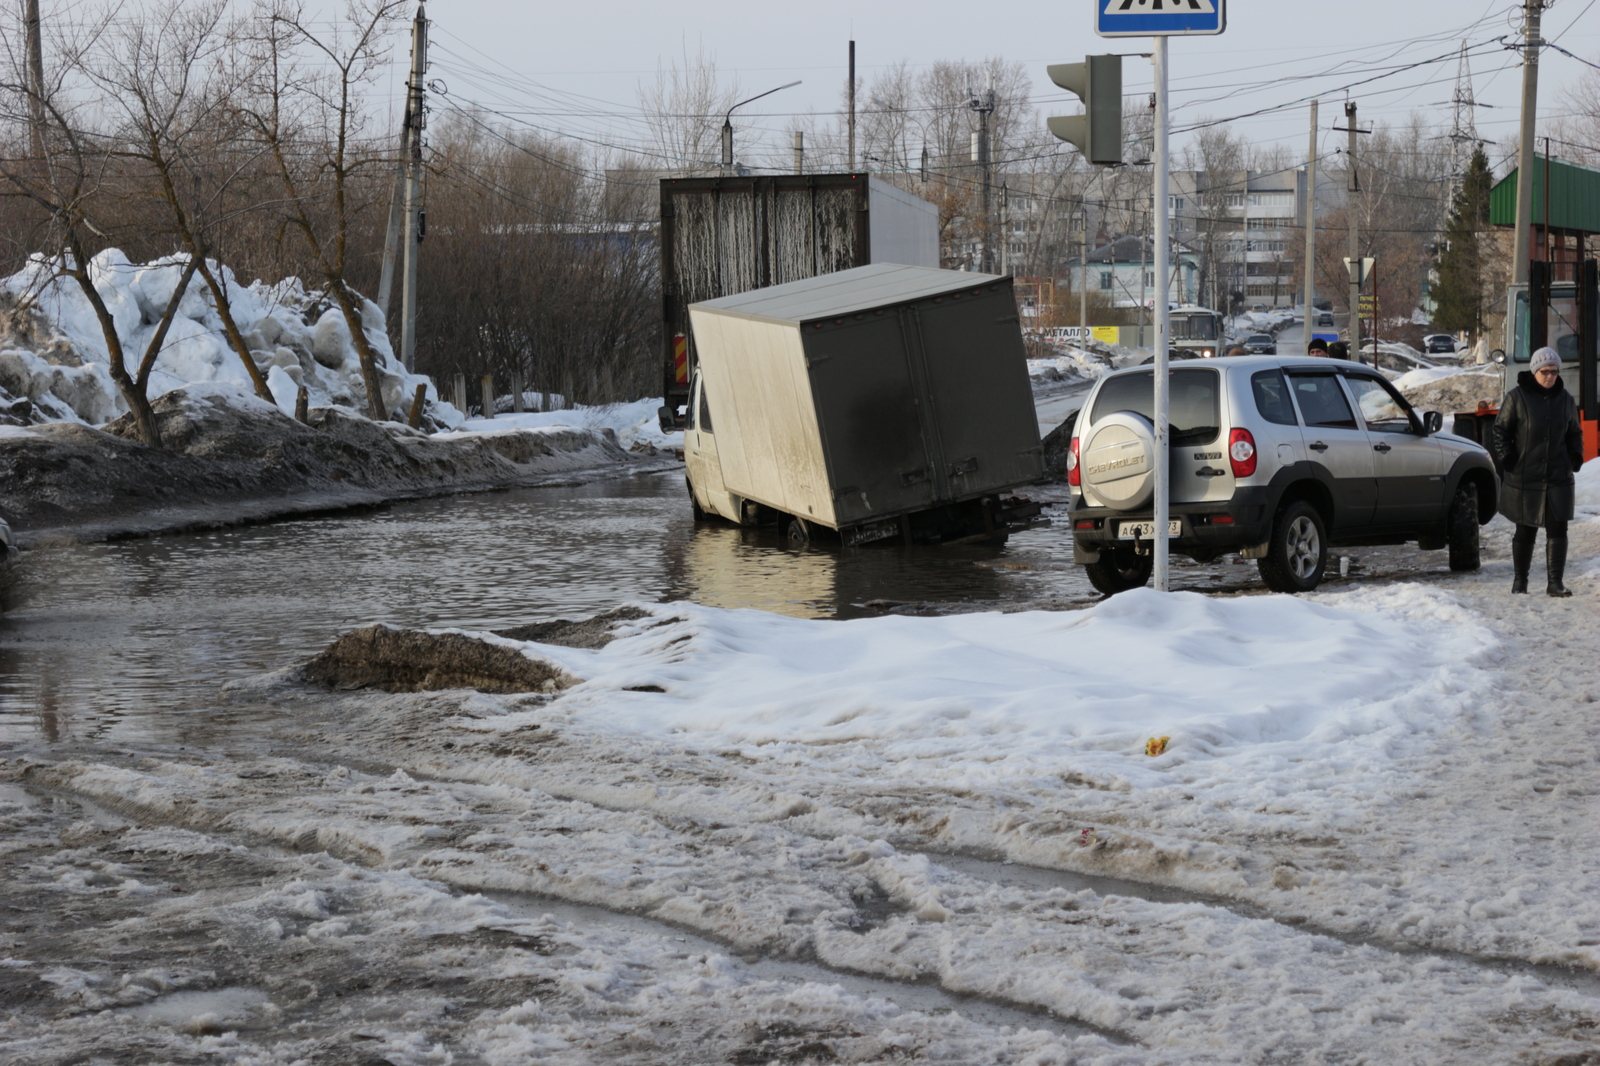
1261, 344
1276, 458
1436, 343
1324, 318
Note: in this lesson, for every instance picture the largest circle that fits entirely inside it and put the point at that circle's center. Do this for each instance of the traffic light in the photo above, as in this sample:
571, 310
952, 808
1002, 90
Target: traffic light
1098, 131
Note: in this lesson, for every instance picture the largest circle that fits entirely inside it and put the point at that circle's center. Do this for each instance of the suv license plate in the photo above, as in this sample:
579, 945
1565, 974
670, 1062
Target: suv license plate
1144, 530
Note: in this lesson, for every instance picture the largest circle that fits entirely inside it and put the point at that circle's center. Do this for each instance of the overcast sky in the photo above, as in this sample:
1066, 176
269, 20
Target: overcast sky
577, 67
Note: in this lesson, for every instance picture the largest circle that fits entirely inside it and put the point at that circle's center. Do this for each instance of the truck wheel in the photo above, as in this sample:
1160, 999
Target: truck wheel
694, 504
1297, 554
1119, 570
798, 532
1464, 553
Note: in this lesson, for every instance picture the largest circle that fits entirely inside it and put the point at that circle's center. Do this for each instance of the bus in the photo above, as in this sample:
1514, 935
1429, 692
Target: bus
1196, 329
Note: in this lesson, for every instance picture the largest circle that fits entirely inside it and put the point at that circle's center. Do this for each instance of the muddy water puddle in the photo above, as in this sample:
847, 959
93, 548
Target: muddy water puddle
131, 639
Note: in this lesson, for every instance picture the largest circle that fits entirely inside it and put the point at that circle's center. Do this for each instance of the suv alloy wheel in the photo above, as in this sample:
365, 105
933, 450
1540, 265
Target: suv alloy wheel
1297, 554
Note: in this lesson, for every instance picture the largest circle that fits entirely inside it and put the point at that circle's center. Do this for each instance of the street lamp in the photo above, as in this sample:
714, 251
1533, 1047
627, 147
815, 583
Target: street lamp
727, 126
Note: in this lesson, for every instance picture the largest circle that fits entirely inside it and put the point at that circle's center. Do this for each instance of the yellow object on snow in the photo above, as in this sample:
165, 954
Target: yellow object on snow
1156, 745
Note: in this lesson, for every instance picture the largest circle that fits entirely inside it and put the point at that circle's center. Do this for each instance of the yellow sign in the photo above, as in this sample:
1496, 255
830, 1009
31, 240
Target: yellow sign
1103, 334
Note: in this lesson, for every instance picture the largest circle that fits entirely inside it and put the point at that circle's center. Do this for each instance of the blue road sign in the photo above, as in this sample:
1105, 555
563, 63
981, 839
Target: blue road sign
1159, 18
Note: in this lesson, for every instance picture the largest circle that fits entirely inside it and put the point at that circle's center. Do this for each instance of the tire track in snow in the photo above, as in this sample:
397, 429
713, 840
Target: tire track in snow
1074, 954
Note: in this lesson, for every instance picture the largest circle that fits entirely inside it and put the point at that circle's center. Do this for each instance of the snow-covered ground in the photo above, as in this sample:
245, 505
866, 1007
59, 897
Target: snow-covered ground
1370, 837
633, 423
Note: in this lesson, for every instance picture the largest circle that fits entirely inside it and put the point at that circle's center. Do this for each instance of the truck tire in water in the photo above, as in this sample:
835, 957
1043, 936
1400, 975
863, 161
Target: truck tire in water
798, 532
1464, 553
1120, 569
1297, 554
694, 504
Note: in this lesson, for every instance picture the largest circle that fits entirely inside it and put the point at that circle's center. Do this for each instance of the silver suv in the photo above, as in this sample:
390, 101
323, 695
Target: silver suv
1275, 458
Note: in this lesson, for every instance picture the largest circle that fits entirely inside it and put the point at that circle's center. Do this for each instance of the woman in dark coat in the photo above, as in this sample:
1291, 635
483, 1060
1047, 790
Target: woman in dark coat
1540, 447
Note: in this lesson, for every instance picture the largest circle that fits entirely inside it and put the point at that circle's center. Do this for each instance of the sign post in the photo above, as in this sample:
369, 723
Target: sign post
1160, 19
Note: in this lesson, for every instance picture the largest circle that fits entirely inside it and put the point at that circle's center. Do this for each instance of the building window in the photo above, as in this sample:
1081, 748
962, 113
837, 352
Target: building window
1149, 279
1233, 199
1175, 203
1105, 280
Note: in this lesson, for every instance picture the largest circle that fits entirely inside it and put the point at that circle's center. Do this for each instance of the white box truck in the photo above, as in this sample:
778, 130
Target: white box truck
884, 401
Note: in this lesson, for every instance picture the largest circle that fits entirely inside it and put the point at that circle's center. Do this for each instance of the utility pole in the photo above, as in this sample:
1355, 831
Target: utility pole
1005, 234
397, 213
1083, 276
413, 238
1144, 248
852, 160
1525, 163
1311, 227
35, 46
799, 151
984, 106
1353, 216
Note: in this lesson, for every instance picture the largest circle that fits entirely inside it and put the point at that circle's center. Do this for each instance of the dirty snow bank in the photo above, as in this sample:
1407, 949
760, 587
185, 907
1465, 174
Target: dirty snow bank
1450, 389
231, 457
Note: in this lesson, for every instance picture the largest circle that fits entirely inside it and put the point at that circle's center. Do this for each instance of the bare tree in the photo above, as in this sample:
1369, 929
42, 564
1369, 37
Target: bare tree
163, 83
1219, 157
81, 192
308, 117
684, 108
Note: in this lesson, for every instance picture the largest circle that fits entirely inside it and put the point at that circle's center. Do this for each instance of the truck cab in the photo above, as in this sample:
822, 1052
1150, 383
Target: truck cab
703, 465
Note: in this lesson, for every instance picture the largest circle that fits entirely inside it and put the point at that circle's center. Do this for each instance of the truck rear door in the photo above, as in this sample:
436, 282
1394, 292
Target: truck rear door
977, 386
871, 422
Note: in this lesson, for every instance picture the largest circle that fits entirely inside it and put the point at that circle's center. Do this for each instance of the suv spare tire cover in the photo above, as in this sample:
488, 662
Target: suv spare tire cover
1117, 459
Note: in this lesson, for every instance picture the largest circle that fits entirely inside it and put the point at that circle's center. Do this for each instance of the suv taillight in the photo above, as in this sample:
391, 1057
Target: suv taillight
1242, 452
1073, 476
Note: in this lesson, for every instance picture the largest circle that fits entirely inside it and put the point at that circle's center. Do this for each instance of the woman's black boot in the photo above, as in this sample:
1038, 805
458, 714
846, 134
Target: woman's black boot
1521, 561
1555, 557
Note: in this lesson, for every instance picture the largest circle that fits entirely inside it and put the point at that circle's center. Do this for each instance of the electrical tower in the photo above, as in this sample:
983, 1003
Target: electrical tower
1464, 131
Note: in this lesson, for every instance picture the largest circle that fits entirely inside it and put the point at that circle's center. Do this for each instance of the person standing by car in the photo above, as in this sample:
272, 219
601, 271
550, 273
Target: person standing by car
1540, 447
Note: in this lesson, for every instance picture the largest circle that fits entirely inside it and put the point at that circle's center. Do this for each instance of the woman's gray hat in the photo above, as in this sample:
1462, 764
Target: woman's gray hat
1544, 357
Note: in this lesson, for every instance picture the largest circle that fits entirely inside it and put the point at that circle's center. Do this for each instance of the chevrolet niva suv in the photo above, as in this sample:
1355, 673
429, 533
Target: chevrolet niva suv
1275, 458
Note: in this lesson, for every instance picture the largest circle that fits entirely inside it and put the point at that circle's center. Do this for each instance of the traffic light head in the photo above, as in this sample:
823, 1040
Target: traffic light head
1098, 131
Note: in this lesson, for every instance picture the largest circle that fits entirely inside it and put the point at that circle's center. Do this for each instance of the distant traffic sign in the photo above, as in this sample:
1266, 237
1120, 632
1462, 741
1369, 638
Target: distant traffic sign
1159, 18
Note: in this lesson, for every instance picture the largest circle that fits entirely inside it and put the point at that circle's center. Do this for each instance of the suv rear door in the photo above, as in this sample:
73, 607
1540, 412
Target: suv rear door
1198, 464
1408, 466
1337, 443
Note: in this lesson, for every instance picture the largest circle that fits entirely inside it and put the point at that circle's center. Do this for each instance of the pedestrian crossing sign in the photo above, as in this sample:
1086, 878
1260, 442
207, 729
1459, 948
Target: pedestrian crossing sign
1159, 18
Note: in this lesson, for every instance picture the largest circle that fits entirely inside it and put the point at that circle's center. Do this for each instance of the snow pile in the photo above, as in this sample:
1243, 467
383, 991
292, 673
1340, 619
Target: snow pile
1090, 364
1251, 691
1450, 389
1261, 321
54, 354
1588, 486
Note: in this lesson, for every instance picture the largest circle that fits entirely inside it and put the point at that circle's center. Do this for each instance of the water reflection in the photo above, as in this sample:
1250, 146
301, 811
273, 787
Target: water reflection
136, 635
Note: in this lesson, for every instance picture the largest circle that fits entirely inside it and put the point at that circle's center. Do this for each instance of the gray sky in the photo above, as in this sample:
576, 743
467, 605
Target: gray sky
577, 67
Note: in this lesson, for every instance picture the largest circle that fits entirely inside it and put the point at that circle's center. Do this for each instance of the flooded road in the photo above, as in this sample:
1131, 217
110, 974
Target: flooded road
98, 640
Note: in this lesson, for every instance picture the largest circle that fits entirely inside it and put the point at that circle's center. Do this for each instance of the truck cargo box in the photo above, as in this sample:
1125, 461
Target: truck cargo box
869, 393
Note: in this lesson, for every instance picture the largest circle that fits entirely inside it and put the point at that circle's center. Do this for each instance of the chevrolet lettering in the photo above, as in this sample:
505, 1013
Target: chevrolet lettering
1132, 460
